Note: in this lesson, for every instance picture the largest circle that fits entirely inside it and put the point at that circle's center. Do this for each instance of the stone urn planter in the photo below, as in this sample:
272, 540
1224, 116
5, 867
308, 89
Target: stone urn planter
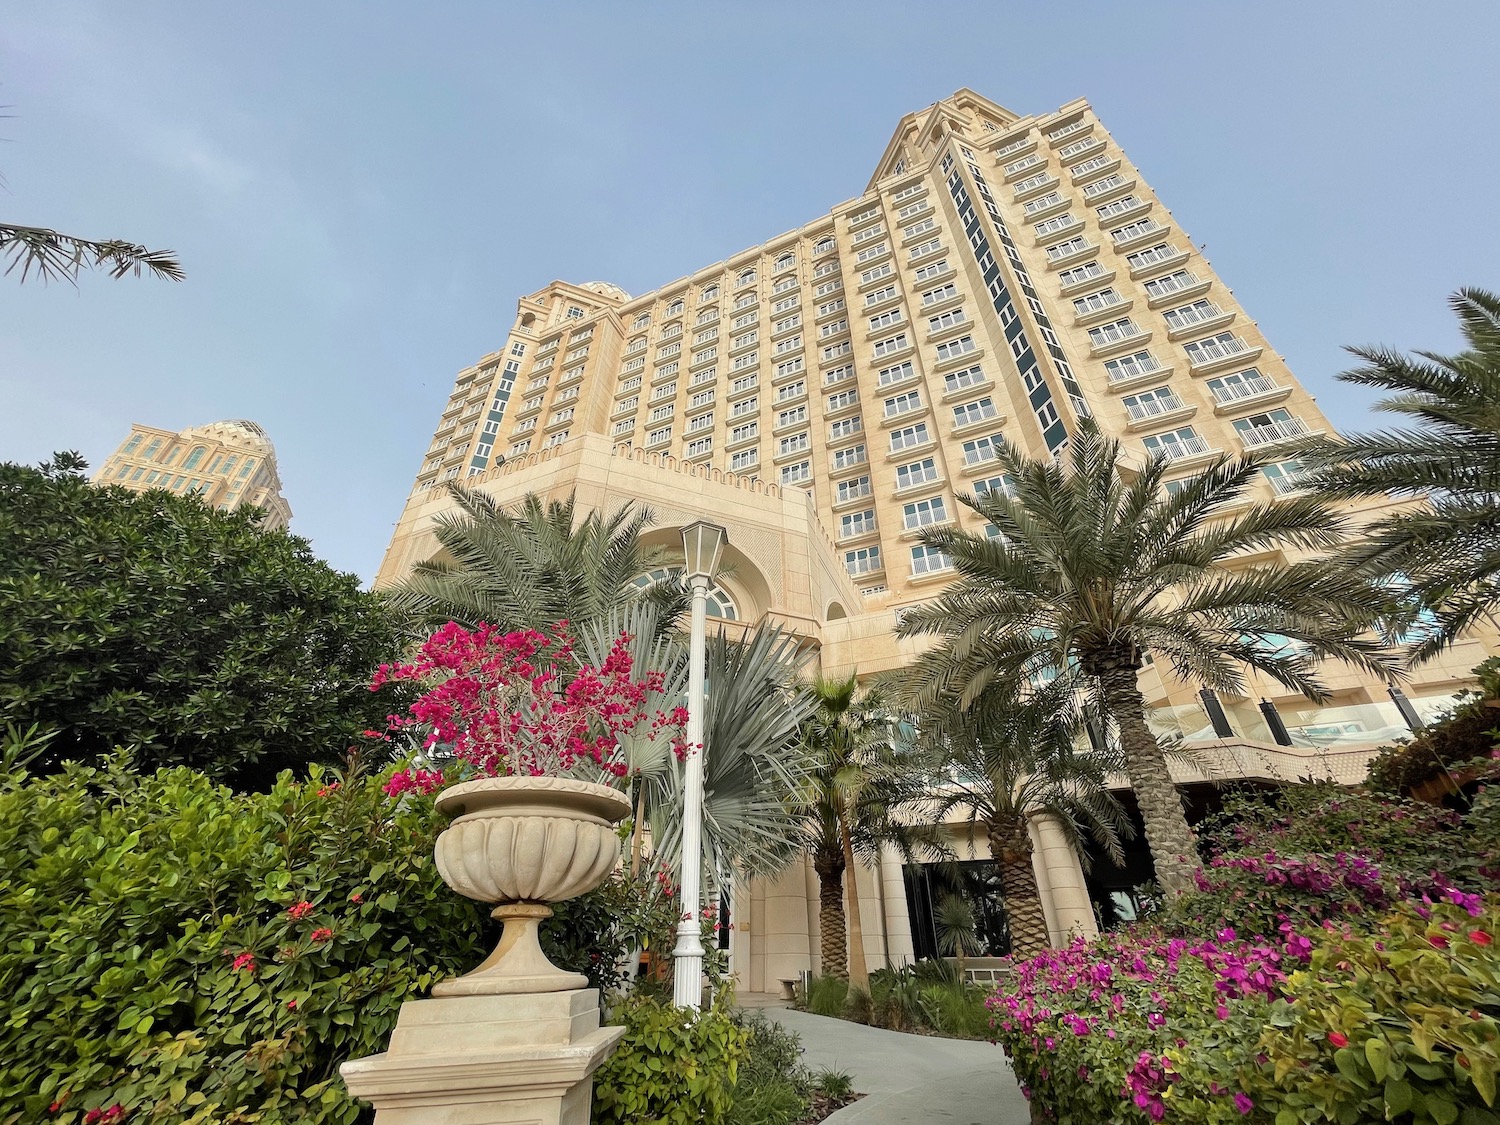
522, 843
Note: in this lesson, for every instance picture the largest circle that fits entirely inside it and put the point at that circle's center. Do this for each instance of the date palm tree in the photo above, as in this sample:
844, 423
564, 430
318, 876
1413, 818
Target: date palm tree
1002, 763
52, 256
536, 565
852, 804
1095, 565
1447, 550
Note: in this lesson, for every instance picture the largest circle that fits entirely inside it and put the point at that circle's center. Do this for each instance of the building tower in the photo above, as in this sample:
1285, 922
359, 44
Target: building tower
230, 464
832, 391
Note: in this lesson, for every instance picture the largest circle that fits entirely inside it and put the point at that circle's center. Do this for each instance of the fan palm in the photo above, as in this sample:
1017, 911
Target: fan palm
1095, 565
536, 565
852, 804
1001, 763
1448, 550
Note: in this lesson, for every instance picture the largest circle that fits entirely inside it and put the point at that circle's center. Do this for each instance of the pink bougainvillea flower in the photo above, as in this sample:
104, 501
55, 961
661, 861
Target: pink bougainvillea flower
1243, 1103
1479, 937
1337, 1039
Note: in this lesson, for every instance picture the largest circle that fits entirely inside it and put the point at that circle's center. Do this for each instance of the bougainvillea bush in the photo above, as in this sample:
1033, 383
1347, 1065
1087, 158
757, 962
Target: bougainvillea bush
1398, 1024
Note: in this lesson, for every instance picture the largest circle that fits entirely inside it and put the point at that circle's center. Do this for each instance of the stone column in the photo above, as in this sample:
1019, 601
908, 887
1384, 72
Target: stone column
1071, 913
488, 1060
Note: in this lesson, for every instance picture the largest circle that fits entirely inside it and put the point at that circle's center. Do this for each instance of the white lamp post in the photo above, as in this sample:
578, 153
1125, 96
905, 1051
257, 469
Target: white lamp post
701, 544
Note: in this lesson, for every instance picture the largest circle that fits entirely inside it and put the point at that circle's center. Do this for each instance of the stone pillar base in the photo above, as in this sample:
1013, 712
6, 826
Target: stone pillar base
488, 1060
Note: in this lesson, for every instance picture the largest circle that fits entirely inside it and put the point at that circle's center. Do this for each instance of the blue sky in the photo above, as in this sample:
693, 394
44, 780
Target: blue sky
359, 192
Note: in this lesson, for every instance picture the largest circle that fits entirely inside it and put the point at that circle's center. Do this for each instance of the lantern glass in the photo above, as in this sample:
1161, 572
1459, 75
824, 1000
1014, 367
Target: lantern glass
701, 544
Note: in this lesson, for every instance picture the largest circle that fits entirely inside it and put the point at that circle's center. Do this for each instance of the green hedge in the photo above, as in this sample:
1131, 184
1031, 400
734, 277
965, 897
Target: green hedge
153, 954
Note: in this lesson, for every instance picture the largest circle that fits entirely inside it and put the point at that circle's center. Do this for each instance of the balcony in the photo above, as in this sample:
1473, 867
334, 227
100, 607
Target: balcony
1157, 412
1257, 391
1148, 265
1184, 450
1051, 207
1072, 256
1101, 311
1219, 354
1037, 188
904, 415
974, 425
1081, 149
1091, 278
1014, 149
1101, 192
1138, 233
1073, 130
1180, 327
1170, 290
1094, 171
1117, 342
1273, 433
1019, 168
1061, 230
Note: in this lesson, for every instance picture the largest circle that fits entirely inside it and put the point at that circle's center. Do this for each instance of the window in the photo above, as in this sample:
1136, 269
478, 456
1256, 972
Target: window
868, 233
676, 307
1114, 332
668, 351
745, 339
830, 307
749, 359
918, 472
527, 425
1129, 366
823, 245
520, 448
903, 404
837, 375
931, 246
708, 293
1118, 207
794, 417
1001, 484
744, 383
745, 432
1185, 316
853, 489
700, 447
959, 380
797, 443
745, 321
846, 427
701, 422
666, 390
972, 412
1042, 203
556, 439
630, 384
923, 513
910, 437
1100, 187
1161, 252
835, 351
950, 319
955, 348
786, 324
790, 367
744, 459
864, 216
828, 287
784, 262
746, 277
702, 398
575, 313
194, 458
1092, 164
1171, 283
865, 560
790, 344
1030, 182
659, 437
1285, 476
1079, 274
785, 285
624, 427
1240, 385
1222, 346
1176, 444
1135, 230
842, 401
799, 473
885, 269
870, 253
745, 406
1062, 250
884, 293
1150, 404
919, 228
912, 209
791, 391
848, 458
929, 560
1272, 426
983, 449
895, 373
1094, 302
894, 344
662, 413
1055, 224
940, 294
1021, 165
886, 319
932, 269
744, 301
857, 523
133, 444
561, 416
706, 335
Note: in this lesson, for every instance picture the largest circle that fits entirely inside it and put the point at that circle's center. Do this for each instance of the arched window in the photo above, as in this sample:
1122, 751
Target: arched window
194, 457
824, 245
747, 276
784, 262
720, 601
642, 320
675, 307
708, 293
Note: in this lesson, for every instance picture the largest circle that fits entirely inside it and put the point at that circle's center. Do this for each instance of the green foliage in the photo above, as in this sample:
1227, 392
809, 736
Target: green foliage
594, 933
673, 1067
826, 996
927, 996
151, 620
128, 900
774, 1088
1399, 1025
1463, 740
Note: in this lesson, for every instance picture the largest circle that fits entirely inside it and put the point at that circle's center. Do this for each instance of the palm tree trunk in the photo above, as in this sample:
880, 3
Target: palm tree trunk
831, 940
1010, 848
1174, 847
638, 830
859, 973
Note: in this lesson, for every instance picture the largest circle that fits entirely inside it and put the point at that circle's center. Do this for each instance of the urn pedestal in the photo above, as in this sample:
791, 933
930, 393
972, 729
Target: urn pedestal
518, 1039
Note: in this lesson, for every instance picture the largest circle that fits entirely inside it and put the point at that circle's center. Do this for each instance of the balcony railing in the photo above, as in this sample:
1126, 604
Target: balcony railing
1154, 407
1284, 429
1181, 447
1244, 388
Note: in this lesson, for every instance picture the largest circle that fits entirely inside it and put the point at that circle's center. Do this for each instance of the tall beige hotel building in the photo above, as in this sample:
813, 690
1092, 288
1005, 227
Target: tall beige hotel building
830, 392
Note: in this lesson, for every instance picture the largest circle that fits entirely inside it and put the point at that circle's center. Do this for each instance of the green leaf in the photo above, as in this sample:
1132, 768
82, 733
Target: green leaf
1397, 1097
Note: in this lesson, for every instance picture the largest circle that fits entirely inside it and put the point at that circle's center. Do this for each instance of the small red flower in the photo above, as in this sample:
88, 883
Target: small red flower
292, 1004
1479, 937
322, 934
1338, 1040
356, 897
244, 961
299, 910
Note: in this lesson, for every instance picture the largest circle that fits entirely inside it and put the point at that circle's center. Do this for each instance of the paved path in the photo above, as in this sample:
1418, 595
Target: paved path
910, 1078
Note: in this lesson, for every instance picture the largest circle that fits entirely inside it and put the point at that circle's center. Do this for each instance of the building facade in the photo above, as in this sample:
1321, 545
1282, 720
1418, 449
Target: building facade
832, 391
229, 464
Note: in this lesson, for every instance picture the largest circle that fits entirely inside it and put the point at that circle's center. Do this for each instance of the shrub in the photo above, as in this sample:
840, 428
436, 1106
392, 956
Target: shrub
773, 1086
826, 996
192, 954
673, 1067
1465, 735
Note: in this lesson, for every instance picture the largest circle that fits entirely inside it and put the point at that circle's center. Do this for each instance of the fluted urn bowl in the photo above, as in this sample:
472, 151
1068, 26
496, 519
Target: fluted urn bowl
522, 843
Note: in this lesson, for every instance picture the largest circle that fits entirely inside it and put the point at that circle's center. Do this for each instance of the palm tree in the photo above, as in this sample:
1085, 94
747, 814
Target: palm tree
536, 565
852, 805
1095, 565
1000, 764
53, 256
1447, 550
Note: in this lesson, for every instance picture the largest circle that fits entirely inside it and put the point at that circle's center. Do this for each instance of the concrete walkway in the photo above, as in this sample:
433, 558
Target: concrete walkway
910, 1078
